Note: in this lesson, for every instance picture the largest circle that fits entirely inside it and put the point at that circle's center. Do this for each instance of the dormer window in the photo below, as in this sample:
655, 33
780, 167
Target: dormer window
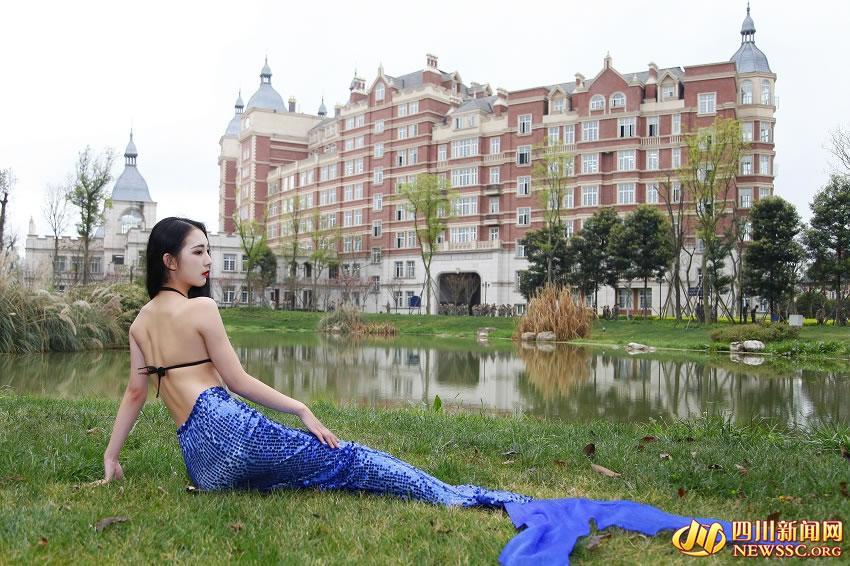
618, 100
379, 92
558, 104
597, 102
668, 92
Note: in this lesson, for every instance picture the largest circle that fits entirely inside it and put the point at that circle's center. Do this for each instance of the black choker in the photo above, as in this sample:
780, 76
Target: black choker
172, 289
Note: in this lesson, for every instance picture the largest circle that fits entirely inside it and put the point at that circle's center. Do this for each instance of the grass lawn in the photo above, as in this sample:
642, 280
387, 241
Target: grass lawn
48, 448
658, 333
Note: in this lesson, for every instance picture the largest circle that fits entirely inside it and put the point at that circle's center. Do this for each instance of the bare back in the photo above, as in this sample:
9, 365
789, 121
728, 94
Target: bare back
167, 332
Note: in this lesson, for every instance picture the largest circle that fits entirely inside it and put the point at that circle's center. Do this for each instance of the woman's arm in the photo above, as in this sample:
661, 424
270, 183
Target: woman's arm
237, 379
132, 402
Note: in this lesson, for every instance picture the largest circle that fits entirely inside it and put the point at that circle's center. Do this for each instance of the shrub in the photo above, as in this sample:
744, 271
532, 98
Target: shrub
765, 332
553, 309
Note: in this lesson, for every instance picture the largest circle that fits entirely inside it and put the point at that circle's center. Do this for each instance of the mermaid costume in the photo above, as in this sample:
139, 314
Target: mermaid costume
227, 444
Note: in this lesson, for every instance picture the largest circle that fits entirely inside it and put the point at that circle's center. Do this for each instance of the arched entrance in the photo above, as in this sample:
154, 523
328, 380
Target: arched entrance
460, 288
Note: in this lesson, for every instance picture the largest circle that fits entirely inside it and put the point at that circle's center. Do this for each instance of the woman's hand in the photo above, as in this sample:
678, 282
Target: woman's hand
315, 426
112, 470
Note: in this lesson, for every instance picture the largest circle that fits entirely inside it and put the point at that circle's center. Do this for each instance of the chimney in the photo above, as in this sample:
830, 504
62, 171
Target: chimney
292, 104
431, 61
579, 81
337, 109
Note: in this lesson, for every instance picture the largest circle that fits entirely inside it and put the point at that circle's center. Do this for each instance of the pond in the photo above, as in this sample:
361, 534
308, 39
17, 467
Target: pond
564, 382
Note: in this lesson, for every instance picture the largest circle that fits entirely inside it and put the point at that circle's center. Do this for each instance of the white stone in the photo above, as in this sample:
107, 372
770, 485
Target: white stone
528, 336
753, 346
546, 336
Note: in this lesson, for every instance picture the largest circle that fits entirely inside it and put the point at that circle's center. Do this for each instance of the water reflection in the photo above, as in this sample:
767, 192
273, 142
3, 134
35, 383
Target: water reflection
570, 383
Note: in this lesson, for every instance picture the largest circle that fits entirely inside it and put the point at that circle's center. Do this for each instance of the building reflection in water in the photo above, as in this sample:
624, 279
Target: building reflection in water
570, 383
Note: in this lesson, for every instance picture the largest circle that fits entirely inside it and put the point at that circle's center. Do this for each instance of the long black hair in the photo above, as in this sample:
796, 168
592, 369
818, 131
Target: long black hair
168, 237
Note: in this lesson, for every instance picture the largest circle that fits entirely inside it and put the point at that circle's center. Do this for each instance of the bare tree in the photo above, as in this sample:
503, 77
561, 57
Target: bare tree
323, 252
93, 174
7, 183
552, 172
670, 195
839, 147
55, 211
252, 240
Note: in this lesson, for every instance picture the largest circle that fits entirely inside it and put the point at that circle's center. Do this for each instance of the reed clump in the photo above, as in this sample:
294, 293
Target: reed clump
553, 309
85, 318
347, 320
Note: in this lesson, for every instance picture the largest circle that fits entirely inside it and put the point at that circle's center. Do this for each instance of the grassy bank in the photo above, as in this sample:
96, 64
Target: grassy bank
48, 448
658, 333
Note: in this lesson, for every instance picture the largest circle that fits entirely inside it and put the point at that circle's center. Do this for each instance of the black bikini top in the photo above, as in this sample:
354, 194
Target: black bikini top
161, 371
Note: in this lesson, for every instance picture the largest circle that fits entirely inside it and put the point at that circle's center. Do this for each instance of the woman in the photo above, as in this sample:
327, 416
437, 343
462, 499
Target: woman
178, 341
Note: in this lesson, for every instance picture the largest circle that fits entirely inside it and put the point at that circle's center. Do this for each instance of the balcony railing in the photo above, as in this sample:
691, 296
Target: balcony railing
492, 157
469, 246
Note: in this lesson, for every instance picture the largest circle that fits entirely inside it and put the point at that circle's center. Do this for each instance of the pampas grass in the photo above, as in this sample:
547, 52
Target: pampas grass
553, 309
85, 318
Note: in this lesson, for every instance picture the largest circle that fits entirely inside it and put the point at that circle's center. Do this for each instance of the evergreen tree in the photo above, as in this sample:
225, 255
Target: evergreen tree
772, 256
590, 257
828, 240
549, 260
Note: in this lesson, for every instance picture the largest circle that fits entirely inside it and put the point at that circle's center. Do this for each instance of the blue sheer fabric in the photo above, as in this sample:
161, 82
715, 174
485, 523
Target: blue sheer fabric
228, 445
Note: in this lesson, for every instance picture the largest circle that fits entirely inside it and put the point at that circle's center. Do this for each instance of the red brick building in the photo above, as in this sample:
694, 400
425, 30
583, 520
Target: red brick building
623, 129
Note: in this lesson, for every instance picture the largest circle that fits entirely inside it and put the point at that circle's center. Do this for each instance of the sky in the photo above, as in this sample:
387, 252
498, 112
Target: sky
77, 74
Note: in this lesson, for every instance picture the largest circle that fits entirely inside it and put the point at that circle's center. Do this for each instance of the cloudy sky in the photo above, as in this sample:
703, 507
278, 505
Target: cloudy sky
82, 73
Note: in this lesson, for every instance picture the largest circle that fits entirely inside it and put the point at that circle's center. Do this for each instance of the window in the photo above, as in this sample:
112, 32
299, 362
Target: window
494, 234
707, 102
748, 231
626, 127
464, 148
569, 134
652, 193
764, 165
745, 197
569, 229
229, 295
523, 216
523, 155
747, 165
523, 186
378, 175
59, 263
410, 269
625, 193
400, 212
558, 105
676, 124
377, 229
589, 196
495, 175
401, 158
626, 160
764, 192
413, 107
668, 91
676, 157
379, 150
244, 263
349, 123
597, 102
765, 132
590, 163
624, 298
468, 121
229, 262
379, 92
645, 298
590, 131
494, 205
676, 193
652, 160
348, 218
524, 124
495, 145
568, 198
465, 206
618, 100
747, 92
652, 126
747, 131
398, 269
554, 135
520, 250
463, 234
464, 177
359, 121
377, 202
766, 97
441, 152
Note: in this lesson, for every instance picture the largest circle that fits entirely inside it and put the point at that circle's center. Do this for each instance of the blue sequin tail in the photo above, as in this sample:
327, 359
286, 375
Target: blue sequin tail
228, 445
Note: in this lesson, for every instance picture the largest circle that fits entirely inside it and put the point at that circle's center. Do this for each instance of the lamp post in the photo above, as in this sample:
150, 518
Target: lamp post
485, 285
